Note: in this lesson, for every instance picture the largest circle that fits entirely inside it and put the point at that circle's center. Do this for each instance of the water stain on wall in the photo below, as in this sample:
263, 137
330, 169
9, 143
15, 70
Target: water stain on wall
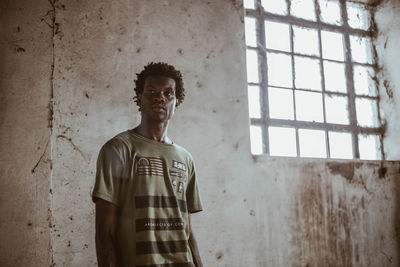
323, 218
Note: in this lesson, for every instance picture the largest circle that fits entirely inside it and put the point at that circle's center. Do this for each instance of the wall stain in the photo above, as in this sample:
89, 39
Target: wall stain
19, 49
322, 222
344, 169
347, 171
388, 90
41, 157
236, 146
75, 147
382, 171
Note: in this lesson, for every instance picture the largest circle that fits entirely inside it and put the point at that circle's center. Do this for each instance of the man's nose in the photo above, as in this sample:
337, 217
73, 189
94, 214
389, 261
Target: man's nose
159, 96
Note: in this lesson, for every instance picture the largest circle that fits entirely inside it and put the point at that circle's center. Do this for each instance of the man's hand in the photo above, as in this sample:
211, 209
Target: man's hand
106, 222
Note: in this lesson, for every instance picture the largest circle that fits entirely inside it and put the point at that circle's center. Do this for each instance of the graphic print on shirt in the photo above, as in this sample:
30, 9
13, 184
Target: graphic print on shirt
179, 178
179, 165
150, 166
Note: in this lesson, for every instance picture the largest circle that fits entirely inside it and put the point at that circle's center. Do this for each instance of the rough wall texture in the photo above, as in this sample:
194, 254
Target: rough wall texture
25, 67
259, 211
387, 44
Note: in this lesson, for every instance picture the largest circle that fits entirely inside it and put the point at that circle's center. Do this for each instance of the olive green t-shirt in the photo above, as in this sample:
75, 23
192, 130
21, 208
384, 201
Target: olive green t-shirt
154, 186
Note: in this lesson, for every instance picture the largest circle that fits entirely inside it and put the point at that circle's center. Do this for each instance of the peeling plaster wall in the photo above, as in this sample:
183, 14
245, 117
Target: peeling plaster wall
25, 145
387, 45
259, 211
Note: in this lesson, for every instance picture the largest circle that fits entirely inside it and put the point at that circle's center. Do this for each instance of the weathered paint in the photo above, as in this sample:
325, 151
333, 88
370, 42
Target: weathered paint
25, 147
259, 210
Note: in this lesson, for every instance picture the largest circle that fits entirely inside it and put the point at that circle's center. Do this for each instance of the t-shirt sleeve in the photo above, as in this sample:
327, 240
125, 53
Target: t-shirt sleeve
109, 172
192, 193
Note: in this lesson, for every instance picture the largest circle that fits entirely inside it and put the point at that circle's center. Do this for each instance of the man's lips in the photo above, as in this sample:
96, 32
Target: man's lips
158, 107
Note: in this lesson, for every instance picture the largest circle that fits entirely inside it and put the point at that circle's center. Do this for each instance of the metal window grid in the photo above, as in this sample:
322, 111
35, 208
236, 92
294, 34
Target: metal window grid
353, 128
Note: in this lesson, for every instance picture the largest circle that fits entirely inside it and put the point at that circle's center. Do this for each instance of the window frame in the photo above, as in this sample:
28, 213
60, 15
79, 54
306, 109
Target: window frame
260, 16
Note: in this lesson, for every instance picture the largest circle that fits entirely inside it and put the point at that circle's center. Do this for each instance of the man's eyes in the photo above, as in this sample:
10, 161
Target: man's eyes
166, 93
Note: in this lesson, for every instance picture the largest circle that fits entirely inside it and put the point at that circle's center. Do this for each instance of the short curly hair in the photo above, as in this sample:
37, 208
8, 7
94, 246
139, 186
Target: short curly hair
161, 69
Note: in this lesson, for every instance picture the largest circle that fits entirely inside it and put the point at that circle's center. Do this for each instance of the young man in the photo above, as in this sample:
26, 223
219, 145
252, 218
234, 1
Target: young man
146, 185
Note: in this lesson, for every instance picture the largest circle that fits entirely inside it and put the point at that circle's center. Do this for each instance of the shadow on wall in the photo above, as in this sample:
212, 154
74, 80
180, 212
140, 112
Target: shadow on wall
396, 219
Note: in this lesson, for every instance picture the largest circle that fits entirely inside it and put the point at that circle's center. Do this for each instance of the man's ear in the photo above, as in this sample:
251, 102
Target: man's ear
139, 98
178, 102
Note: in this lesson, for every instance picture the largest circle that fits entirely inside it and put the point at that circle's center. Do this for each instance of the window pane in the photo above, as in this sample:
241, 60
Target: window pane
369, 147
252, 66
363, 81
250, 30
248, 4
303, 9
312, 143
254, 101
309, 106
340, 145
256, 140
361, 49
305, 41
358, 16
279, 70
275, 6
308, 73
336, 108
366, 110
332, 45
330, 11
282, 141
335, 79
280, 103
277, 36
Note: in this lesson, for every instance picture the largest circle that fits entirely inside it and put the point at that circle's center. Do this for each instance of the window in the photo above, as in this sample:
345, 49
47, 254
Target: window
311, 79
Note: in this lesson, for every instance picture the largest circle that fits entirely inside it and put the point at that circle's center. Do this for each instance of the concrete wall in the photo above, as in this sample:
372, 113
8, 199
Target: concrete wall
25, 166
387, 44
259, 211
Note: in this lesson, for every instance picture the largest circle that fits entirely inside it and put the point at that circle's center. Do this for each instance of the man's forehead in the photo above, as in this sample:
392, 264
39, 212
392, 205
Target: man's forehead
159, 80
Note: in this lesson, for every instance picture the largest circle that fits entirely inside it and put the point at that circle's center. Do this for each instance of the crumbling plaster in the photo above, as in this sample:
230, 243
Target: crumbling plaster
67, 86
387, 43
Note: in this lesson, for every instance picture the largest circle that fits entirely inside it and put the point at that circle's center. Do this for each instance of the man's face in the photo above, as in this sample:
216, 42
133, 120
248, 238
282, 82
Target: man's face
158, 100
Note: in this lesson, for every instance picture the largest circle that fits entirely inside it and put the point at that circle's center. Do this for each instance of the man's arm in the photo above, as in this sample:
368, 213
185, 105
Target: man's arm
106, 222
193, 247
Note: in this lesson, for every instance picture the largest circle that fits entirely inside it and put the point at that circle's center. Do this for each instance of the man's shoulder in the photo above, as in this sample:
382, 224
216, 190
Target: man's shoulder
119, 141
183, 152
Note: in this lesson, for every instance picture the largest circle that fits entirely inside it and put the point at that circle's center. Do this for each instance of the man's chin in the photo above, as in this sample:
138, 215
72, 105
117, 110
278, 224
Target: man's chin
160, 118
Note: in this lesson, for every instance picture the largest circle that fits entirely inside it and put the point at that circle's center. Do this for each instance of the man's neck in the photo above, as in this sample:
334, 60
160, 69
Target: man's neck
154, 131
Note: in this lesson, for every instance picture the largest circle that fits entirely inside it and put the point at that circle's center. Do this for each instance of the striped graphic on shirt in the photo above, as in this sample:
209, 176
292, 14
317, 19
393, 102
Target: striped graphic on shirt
150, 166
183, 264
160, 202
152, 247
149, 224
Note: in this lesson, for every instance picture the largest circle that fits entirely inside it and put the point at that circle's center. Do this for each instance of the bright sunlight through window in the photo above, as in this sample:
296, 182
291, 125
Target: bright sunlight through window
312, 86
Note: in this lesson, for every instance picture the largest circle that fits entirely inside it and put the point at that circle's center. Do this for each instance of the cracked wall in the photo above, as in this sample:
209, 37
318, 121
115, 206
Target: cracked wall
25, 137
388, 20
70, 65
